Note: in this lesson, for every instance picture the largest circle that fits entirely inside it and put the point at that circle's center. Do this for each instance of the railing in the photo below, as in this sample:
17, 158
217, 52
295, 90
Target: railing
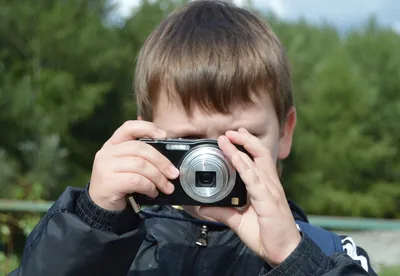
341, 223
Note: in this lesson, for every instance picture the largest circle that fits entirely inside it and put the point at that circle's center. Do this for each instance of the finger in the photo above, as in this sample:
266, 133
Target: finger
147, 152
265, 166
251, 143
136, 183
141, 166
132, 130
226, 146
261, 195
262, 155
256, 188
246, 169
230, 150
231, 217
254, 179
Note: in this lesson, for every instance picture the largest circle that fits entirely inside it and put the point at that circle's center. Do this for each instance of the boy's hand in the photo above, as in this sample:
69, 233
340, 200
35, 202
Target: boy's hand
124, 165
266, 226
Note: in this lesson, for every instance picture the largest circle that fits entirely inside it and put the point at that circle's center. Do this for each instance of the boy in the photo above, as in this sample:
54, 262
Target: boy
210, 70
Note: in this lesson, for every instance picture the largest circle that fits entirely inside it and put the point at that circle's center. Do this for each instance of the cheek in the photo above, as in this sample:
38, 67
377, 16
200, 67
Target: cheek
275, 152
271, 143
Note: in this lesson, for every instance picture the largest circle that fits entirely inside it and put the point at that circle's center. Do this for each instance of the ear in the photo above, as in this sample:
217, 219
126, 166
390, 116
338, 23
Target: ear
140, 118
286, 138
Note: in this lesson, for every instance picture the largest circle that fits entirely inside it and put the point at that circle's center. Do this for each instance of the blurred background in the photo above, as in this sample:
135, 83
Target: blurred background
66, 72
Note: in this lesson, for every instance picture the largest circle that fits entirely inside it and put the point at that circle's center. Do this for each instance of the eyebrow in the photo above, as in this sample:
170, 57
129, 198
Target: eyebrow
257, 128
252, 126
182, 132
186, 131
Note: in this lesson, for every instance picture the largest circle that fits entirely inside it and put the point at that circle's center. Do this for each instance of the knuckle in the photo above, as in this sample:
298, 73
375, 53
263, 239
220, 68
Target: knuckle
153, 191
281, 191
165, 164
134, 179
276, 194
140, 163
128, 123
137, 145
259, 172
276, 200
239, 154
106, 145
162, 180
97, 157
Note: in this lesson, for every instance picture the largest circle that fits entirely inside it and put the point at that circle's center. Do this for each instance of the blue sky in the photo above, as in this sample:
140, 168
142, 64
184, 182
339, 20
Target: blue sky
342, 13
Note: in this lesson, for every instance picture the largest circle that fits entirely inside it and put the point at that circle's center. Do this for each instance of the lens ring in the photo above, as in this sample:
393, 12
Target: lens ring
207, 158
221, 176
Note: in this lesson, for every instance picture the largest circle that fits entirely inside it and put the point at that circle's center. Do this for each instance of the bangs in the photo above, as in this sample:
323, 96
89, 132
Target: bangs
213, 81
214, 56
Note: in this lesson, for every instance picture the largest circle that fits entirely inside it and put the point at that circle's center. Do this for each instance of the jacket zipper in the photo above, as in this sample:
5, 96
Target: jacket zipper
202, 236
201, 242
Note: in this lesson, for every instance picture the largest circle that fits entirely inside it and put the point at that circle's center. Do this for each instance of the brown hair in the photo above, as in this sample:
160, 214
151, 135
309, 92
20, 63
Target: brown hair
215, 55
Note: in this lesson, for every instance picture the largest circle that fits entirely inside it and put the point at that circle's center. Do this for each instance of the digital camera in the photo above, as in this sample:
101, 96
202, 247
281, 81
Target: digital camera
207, 177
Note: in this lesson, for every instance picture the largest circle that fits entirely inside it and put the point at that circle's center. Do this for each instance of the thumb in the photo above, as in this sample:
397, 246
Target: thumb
227, 215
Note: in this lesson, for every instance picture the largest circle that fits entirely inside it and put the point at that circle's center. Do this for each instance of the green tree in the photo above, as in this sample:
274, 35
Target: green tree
59, 61
346, 142
66, 71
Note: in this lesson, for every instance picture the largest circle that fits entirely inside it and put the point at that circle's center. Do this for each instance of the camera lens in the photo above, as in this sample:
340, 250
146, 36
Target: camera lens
205, 179
206, 174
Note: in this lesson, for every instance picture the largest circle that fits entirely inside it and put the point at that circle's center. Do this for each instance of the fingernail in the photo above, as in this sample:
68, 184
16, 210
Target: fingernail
174, 171
242, 129
171, 187
231, 133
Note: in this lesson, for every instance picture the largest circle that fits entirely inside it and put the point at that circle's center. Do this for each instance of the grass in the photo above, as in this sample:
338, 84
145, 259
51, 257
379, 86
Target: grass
390, 271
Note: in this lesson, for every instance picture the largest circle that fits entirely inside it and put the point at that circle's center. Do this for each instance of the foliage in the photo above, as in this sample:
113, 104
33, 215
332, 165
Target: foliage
7, 263
65, 85
347, 143
390, 271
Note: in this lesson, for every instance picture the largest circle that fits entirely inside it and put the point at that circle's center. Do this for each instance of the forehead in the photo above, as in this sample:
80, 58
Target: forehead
171, 116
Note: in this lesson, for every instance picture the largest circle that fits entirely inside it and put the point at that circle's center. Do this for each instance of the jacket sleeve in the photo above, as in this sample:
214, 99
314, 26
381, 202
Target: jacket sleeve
308, 259
77, 237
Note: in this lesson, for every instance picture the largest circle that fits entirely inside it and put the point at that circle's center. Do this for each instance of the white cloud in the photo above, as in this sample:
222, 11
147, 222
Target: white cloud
340, 12
277, 6
124, 7
396, 26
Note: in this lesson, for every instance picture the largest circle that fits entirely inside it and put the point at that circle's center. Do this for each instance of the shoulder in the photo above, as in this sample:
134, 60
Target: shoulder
356, 252
330, 243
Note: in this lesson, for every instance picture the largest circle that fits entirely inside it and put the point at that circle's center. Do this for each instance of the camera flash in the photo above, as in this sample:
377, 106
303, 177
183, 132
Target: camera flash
177, 147
235, 201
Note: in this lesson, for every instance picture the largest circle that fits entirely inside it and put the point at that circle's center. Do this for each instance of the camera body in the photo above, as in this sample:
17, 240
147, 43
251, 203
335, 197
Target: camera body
207, 177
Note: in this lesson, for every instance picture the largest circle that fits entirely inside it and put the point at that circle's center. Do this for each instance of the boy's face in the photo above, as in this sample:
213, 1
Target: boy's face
259, 119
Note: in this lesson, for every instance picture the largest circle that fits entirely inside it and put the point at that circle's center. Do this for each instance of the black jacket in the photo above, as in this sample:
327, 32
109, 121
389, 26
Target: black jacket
76, 238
